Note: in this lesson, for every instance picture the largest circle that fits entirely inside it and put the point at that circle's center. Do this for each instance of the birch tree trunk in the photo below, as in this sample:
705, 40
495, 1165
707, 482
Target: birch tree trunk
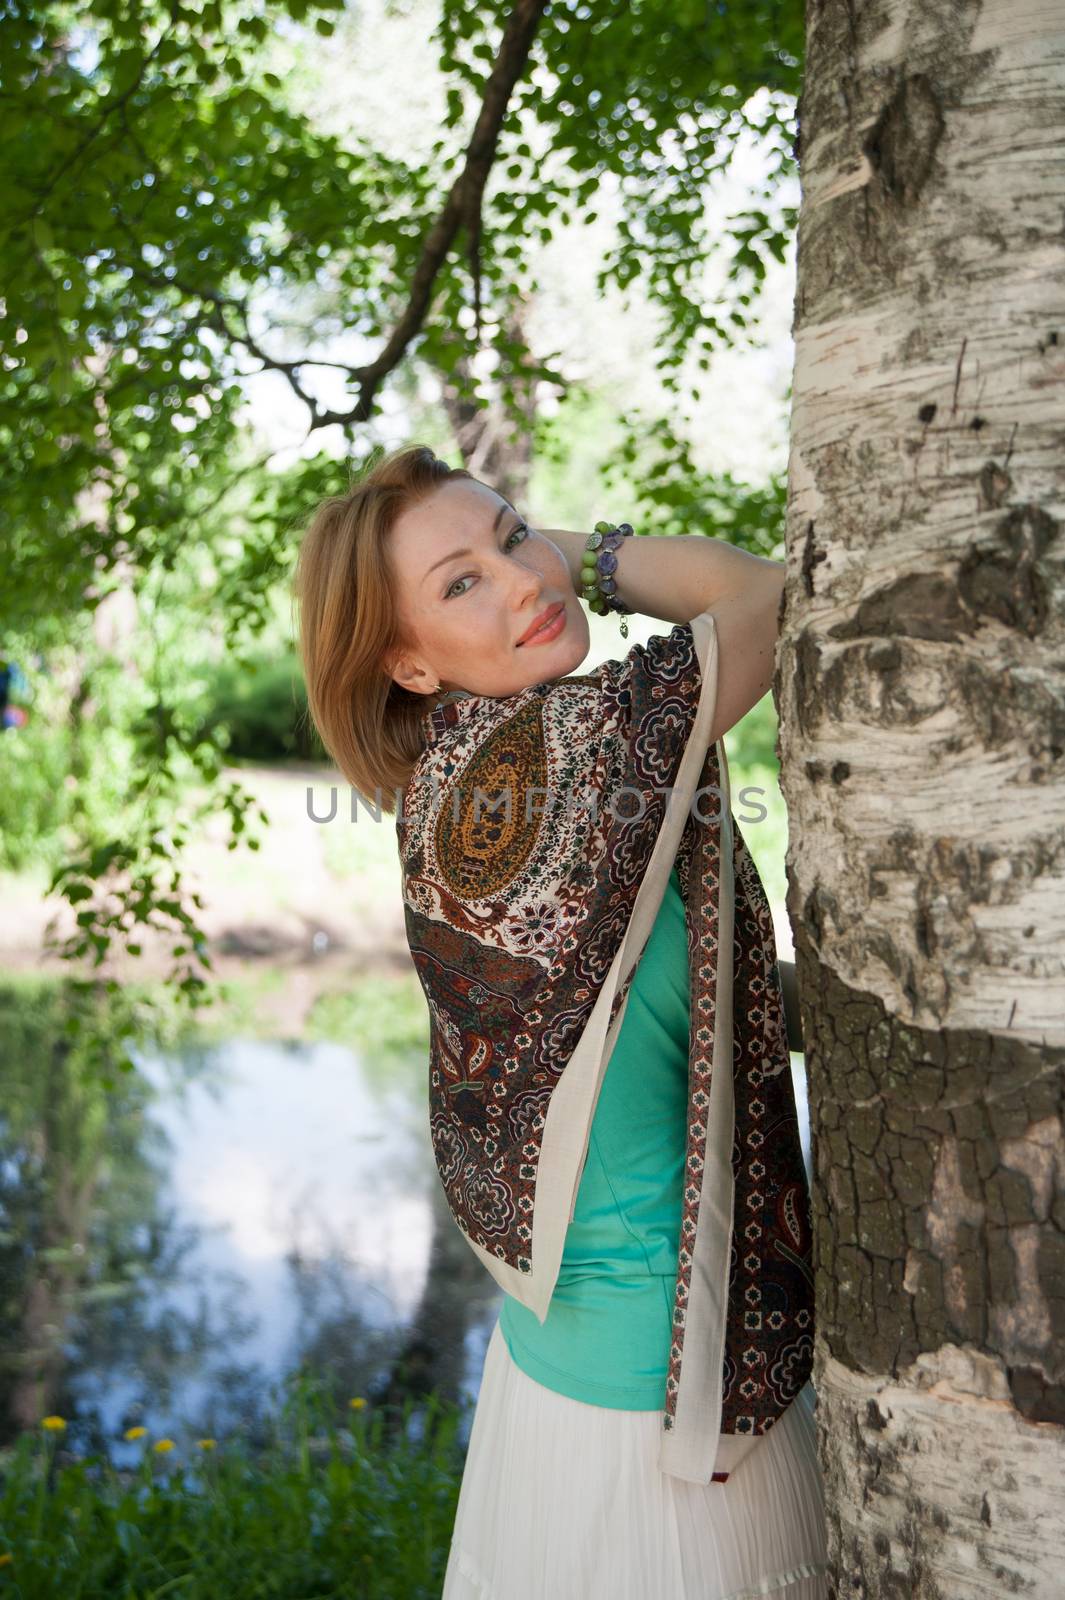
922, 741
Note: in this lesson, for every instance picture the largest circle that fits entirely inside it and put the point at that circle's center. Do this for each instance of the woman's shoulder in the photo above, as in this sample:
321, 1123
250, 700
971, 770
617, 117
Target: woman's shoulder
650, 692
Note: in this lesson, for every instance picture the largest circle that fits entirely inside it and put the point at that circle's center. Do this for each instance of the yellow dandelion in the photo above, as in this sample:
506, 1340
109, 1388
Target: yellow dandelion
5, 1558
135, 1433
357, 1404
163, 1444
206, 1444
53, 1424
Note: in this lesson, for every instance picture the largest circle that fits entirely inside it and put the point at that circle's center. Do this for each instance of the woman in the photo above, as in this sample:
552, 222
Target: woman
574, 902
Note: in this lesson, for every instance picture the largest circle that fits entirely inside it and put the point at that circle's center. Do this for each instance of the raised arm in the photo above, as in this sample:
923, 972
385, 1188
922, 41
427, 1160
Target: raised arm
679, 576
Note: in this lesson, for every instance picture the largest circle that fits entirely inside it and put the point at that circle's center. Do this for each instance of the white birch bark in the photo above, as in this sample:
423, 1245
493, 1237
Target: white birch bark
921, 694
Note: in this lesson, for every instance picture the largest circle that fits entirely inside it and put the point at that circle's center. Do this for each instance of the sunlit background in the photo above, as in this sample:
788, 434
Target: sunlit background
260, 1193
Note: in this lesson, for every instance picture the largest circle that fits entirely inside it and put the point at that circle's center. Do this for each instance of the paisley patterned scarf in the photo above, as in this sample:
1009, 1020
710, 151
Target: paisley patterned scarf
536, 836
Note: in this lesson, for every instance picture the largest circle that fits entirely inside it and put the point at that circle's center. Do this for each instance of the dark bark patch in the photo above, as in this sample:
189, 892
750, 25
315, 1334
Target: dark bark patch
807, 680
884, 657
1003, 577
1035, 1397
819, 904
810, 557
918, 605
874, 1417
1006, 706
922, 1210
902, 143
995, 485
875, 682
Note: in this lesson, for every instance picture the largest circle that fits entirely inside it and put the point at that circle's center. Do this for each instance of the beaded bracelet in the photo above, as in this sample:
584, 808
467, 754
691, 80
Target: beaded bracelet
598, 565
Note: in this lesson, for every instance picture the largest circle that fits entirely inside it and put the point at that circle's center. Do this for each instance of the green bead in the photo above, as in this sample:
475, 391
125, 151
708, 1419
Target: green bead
602, 527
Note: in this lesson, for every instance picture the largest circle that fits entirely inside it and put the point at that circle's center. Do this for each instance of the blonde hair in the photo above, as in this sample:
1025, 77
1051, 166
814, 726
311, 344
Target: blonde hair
344, 594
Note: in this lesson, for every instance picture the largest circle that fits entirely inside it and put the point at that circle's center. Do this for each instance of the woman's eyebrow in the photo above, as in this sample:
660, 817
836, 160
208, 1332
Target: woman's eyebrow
465, 551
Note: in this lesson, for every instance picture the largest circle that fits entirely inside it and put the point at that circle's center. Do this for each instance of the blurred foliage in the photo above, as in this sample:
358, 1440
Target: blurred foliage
656, 95
69, 772
156, 182
258, 708
757, 802
171, 226
752, 742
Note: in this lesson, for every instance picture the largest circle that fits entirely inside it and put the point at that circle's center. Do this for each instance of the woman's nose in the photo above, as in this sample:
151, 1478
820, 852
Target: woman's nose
525, 584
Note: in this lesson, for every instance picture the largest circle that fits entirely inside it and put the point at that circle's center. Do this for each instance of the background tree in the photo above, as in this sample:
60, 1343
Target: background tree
922, 733
172, 228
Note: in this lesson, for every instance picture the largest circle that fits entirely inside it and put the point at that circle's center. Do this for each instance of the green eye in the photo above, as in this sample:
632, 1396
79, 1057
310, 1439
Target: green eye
521, 528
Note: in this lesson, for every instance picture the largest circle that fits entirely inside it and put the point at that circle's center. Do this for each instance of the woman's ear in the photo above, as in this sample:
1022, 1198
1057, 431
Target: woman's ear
409, 674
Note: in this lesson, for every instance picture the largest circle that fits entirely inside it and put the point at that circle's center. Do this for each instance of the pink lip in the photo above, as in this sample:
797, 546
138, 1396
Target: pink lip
550, 630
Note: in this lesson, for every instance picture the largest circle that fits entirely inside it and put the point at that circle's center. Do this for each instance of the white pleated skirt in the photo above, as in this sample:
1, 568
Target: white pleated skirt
561, 1500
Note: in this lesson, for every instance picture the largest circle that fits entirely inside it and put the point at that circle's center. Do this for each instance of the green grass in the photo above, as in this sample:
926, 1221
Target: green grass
324, 1509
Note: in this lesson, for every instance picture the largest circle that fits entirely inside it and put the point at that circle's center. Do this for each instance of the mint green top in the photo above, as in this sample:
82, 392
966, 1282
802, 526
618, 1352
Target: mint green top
607, 1334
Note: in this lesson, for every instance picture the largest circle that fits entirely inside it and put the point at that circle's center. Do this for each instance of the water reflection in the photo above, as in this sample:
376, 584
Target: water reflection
312, 1183
226, 1214
223, 1216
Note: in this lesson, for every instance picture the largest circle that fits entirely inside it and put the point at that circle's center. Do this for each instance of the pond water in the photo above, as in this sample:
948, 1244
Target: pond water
270, 1205
307, 1227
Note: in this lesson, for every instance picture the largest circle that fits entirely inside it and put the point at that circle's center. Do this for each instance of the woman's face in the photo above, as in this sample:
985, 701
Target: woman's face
471, 576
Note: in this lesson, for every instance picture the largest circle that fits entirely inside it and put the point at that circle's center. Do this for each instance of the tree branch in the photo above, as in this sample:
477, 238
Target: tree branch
461, 208
463, 205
